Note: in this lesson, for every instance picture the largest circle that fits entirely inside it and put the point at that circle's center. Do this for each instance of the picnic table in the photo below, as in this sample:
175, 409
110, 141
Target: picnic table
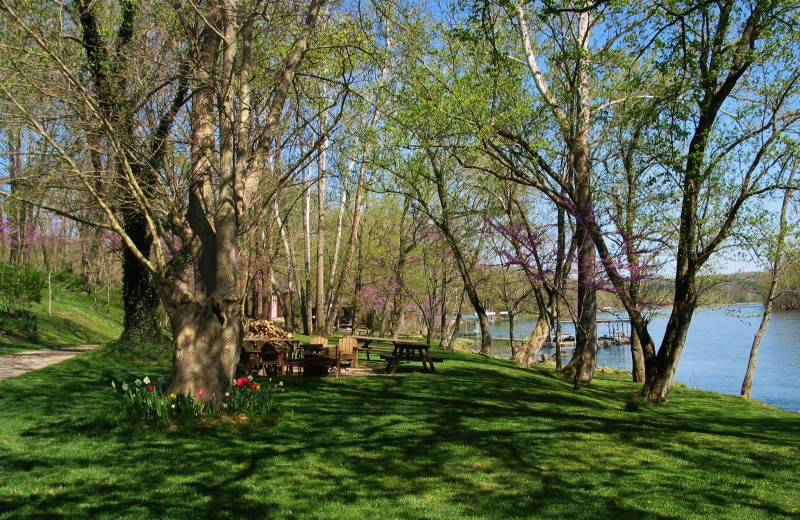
314, 358
402, 350
366, 340
410, 351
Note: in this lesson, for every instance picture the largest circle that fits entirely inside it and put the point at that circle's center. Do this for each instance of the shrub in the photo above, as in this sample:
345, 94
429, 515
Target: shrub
20, 320
20, 285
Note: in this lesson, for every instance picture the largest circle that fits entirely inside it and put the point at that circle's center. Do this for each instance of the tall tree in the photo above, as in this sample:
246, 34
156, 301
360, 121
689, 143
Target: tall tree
777, 254
727, 53
191, 209
109, 64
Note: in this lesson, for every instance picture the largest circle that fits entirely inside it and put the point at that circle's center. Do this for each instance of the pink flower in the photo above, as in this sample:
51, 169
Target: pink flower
201, 392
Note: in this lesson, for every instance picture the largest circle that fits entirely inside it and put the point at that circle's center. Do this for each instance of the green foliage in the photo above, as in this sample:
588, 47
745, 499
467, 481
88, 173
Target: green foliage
141, 351
145, 401
22, 321
20, 285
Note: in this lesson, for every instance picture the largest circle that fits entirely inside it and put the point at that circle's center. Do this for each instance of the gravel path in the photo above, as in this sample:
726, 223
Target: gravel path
15, 365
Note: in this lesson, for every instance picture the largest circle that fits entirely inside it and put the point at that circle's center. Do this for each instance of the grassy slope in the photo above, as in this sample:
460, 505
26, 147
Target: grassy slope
74, 321
478, 439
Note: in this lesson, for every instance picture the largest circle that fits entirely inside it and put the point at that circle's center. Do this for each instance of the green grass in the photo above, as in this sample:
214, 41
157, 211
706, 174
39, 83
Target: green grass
75, 320
481, 438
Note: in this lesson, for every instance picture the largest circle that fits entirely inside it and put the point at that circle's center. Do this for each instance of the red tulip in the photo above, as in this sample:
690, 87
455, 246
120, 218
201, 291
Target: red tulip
253, 386
151, 388
201, 392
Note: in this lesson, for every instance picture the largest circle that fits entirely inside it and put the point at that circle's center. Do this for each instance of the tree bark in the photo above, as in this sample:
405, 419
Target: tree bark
307, 310
637, 357
527, 353
584, 360
140, 299
533, 345
322, 308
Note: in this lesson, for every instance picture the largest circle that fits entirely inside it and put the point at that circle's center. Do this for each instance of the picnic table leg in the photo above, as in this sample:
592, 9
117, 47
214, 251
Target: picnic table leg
423, 358
391, 365
430, 361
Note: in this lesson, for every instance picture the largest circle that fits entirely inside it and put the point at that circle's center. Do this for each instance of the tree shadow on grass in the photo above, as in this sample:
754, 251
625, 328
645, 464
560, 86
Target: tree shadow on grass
477, 439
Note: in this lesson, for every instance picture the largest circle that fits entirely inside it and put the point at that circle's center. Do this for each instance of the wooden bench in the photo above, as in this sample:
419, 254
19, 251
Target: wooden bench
312, 365
378, 350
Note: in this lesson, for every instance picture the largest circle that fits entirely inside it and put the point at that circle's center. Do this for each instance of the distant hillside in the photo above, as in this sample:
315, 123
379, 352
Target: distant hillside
715, 290
736, 288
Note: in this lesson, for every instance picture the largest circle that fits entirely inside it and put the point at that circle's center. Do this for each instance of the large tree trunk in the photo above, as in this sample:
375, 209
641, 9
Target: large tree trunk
486, 331
584, 360
205, 340
139, 297
533, 345
660, 372
207, 325
730, 62
527, 353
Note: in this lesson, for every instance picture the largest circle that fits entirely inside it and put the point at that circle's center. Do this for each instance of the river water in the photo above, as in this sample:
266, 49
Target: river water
716, 351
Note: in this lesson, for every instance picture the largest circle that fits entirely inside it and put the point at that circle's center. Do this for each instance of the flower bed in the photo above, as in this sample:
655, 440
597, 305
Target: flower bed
247, 400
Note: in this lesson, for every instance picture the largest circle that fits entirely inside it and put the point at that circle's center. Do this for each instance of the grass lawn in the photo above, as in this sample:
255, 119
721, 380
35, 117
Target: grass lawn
481, 438
75, 320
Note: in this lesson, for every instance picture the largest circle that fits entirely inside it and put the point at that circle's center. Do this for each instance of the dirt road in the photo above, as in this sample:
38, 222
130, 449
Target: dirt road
14, 365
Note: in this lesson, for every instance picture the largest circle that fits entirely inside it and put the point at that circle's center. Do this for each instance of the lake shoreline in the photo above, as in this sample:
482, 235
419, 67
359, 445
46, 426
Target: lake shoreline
716, 351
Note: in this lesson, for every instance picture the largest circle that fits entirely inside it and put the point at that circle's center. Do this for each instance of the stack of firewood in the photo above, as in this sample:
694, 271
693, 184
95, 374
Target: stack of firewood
263, 329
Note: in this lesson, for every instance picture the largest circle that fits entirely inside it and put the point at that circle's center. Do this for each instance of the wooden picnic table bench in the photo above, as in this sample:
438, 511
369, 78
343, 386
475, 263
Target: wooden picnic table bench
408, 351
366, 341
